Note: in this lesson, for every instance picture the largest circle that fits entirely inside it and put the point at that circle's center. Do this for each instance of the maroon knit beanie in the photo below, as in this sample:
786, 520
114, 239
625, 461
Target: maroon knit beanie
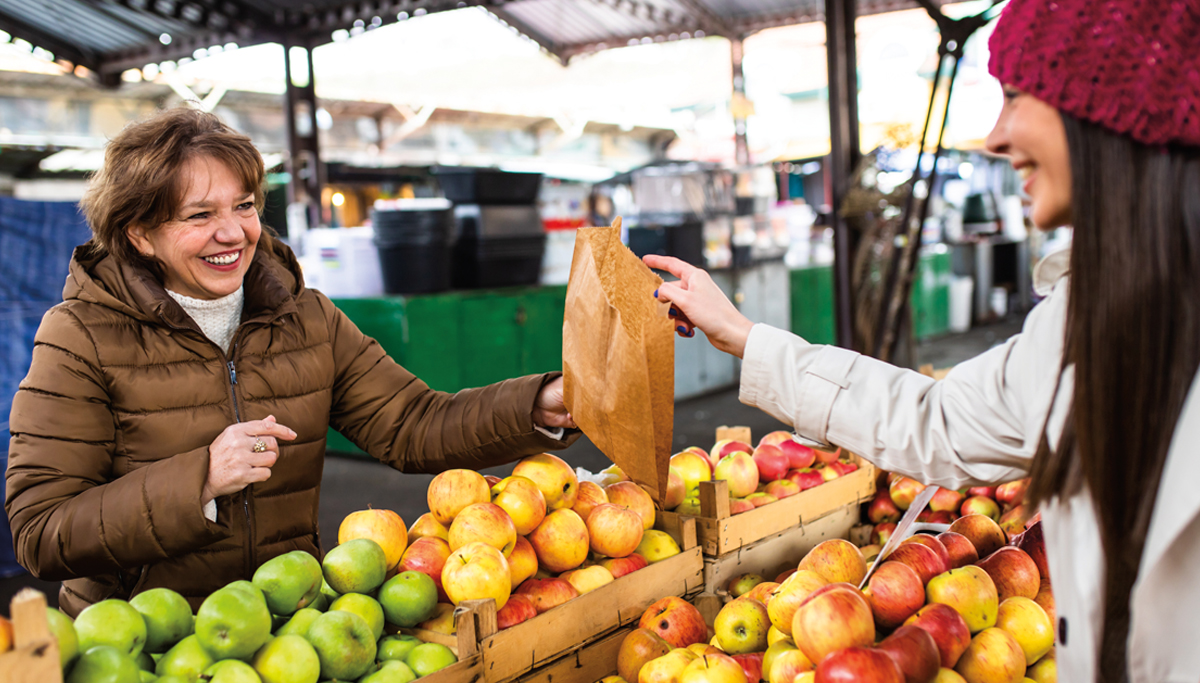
1131, 66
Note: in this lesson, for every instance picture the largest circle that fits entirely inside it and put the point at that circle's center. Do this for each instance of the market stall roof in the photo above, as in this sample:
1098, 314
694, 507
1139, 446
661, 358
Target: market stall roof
111, 36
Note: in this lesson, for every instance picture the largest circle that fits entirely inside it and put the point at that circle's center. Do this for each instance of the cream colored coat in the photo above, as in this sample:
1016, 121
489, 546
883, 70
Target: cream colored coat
981, 425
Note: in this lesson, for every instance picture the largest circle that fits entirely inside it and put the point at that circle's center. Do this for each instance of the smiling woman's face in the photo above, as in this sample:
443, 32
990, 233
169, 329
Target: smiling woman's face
1031, 133
206, 247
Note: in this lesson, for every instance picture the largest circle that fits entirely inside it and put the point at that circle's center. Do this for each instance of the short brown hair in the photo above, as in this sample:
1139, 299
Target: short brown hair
140, 182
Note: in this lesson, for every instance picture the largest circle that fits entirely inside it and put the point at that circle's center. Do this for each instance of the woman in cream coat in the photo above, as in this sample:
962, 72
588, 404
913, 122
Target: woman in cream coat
1095, 397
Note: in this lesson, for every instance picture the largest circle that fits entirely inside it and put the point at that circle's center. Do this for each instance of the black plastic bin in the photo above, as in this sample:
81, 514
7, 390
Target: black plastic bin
414, 249
684, 241
497, 261
465, 185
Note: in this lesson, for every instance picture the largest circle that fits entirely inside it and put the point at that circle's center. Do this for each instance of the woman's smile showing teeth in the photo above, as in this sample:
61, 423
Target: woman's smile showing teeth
228, 258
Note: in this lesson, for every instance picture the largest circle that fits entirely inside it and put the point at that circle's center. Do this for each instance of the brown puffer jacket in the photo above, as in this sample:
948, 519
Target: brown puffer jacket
111, 428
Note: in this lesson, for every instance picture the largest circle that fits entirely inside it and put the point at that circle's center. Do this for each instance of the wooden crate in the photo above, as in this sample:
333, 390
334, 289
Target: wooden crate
720, 533
589, 618
34, 657
588, 664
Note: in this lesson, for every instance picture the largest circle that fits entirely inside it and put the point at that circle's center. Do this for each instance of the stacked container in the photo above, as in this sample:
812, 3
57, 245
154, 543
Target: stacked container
413, 237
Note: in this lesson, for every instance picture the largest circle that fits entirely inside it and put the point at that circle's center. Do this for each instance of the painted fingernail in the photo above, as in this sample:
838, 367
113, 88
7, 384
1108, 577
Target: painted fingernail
689, 334
682, 330
656, 294
674, 311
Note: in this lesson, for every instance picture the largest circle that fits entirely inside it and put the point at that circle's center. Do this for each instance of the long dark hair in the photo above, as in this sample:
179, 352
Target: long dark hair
1133, 335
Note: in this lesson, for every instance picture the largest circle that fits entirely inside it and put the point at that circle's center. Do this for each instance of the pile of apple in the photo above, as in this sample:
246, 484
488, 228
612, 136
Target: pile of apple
932, 611
1003, 503
299, 620
531, 541
779, 467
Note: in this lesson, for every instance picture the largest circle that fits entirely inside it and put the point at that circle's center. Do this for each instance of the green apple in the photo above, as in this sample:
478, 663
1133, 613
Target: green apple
391, 671
187, 659
230, 671
63, 630
344, 644
426, 658
396, 647
146, 676
174, 679
104, 664
289, 582
168, 618
233, 622
364, 606
111, 622
357, 566
408, 598
287, 659
299, 623
144, 661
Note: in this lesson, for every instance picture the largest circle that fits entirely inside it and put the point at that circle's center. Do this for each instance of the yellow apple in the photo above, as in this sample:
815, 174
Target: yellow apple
1027, 622
693, 468
554, 478
522, 563
615, 531
560, 541
426, 525
486, 523
630, 495
453, 490
477, 571
442, 620
587, 579
522, 500
590, 495
657, 546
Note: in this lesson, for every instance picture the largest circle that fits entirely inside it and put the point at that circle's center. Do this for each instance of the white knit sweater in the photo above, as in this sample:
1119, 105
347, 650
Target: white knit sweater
218, 320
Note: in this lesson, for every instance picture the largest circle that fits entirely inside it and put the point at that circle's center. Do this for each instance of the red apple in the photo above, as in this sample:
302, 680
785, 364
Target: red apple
978, 505
915, 652
783, 575
693, 468
485, 523
620, 566
676, 491
786, 599
739, 505
676, 620
895, 593
554, 478
882, 509
843, 467
427, 555
453, 490
799, 456
491, 480
960, 551
933, 544
752, 665
775, 438
590, 495
560, 541
982, 531
519, 608
1012, 493
781, 489
477, 571
630, 495
615, 531
806, 479
827, 456
739, 470
638, 648
941, 517
760, 499
523, 562
949, 631
924, 515
833, 621
904, 491
762, 592
703, 454
547, 594
1014, 573
882, 532
985, 491
946, 500
922, 559
1013, 520
726, 447
1034, 544
771, 462
836, 560
1045, 598
856, 664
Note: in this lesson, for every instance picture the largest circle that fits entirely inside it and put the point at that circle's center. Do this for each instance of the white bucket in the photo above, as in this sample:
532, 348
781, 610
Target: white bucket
962, 290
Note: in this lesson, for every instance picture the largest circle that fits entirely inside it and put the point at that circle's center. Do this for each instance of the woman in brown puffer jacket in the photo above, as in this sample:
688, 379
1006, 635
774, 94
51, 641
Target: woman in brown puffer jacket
171, 430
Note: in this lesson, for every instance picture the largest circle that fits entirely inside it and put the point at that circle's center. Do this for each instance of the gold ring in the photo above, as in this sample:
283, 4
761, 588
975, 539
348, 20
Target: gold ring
260, 446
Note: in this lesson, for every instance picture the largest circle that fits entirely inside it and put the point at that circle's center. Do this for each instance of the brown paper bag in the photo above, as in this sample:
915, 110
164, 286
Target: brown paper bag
619, 357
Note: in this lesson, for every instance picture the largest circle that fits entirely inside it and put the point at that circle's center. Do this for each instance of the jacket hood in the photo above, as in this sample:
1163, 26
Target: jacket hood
272, 283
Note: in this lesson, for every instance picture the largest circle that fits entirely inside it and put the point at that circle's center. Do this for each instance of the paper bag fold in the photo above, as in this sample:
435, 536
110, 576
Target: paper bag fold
619, 357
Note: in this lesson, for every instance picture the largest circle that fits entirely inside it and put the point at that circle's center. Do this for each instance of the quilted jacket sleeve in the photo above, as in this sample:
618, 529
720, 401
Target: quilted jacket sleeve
386, 411
70, 513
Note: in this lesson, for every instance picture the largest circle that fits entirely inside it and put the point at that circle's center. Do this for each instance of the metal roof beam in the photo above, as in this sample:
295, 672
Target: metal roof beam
713, 24
530, 32
47, 41
576, 49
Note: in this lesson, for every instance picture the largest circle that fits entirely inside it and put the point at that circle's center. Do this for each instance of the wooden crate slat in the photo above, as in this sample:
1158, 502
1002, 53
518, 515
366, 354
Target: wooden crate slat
586, 665
34, 657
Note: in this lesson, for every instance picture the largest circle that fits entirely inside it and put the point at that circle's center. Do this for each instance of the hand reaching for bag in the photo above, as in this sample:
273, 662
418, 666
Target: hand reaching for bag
548, 410
697, 301
242, 455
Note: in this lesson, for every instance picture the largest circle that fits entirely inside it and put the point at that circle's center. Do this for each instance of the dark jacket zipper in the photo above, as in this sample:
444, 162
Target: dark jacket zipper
249, 548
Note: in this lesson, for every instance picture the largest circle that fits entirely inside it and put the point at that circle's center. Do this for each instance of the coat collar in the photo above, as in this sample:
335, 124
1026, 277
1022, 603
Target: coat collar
272, 283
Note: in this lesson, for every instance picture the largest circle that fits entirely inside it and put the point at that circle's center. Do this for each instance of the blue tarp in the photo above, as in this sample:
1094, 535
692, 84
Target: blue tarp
36, 241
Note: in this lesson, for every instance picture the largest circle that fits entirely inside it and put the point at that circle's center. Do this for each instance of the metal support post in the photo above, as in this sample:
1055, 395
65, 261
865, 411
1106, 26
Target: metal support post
739, 104
844, 153
304, 159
